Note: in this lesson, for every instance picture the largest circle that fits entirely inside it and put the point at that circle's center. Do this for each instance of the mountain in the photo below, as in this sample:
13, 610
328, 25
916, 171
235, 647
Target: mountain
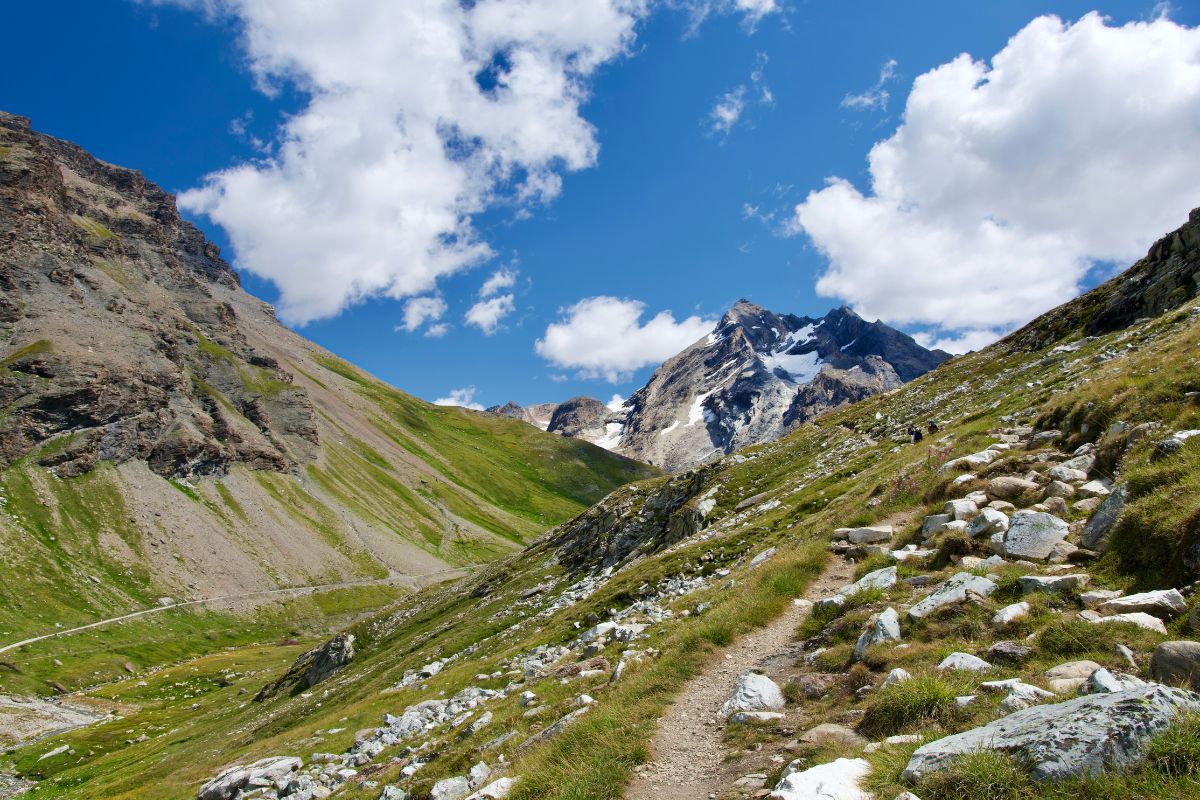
537, 415
165, 436
757, 376
881, 605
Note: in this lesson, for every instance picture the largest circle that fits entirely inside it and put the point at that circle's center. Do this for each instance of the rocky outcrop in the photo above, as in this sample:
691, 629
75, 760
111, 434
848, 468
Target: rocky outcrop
1078, 737
230, 783
312, 667
115, 342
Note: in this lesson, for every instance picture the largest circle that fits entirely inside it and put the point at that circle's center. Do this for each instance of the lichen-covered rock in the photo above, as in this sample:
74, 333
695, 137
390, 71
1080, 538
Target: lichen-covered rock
1095, 534
231, 781
1033, 535
753, 692
312, 667
1078, 737
953, 591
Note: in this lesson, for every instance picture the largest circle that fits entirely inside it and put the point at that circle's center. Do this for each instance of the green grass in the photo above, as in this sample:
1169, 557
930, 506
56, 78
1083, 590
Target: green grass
41, 346
93, 227
913, 705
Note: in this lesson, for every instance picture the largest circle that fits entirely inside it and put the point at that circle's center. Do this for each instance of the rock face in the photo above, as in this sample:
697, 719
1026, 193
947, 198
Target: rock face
312, 667
759, 375
538, 415
1077, 737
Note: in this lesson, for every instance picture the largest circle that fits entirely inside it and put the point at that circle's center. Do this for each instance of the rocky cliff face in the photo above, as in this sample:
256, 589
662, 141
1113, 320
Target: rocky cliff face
759, 375
119, 347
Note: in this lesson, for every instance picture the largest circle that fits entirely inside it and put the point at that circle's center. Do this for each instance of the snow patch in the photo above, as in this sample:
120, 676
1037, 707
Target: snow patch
801, 368
669, 428
612, 435
698, 413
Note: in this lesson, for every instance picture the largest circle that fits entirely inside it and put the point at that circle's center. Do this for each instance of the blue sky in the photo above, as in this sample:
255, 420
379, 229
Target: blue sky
672, 211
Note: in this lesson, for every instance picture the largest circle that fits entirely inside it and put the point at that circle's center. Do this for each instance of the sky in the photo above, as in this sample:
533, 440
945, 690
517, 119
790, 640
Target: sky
490, 200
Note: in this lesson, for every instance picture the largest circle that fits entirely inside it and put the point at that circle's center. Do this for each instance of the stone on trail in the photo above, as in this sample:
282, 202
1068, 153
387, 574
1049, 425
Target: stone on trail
953, 591
870, 535
837, 780
1009, 487
962, 510
1165, 603
1177, 663
749, 717
1033, 535
1095, 489
1083, 736
753, 692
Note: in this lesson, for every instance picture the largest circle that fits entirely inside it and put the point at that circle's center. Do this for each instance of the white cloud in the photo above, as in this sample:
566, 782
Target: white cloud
876, 98
464, 398
1006, 182
486, 314
752, 12
728, 109
500, 279
615, 402
437, 331
603, 337
419, 310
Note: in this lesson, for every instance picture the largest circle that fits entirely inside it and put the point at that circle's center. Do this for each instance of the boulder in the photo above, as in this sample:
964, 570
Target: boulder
1083, 736
456, 788
1058, 489
1067, 474
1033, 535
883, 628
934, 524
1010, 613
870, 535
1056, 506
1003, 506
1052, 583
1009, 487
1067, 678
1088, 504
312, 667
964, 662
1177, 663
1095, 489
229, 783
1164, 603
963, 510
879, 579
753, 692
1097, 597
1141, 619
1009, 652
1095, 534
837, 780
897, 675
953, 591
988, 522
1102, 681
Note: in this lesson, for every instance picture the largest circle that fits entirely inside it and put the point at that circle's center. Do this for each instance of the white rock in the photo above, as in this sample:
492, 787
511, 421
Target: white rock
1033, 534
1142, 620
897, 675
1095, 489
753, 692
837, 780
988, 522
748, 717
1165, 603
1067, 474
934, 524
965, 662
877, 533
964, 700
954, 590
1011, 613
963, 510
456, 788
230, 782
879, 579
884, 628
1094, 598
761, 557
495, 790
1102, 681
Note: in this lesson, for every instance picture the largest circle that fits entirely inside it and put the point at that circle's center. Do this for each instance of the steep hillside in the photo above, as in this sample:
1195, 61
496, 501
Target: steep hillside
551, 667
164, 439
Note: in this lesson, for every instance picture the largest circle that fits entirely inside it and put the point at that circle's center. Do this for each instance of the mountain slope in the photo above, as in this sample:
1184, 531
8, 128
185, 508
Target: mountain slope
165, 436
688, 563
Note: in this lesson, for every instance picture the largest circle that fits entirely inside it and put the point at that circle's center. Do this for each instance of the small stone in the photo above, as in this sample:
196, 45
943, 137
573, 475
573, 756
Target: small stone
965, 662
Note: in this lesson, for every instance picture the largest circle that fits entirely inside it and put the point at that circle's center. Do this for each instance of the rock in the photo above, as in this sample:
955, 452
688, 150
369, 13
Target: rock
1009, 487
1010, 613
1067, 678
1172, 444
837, 780
496, 790
988, 522
964, 510
955, 526
1058, 489
964, 700
1003, 506
1095, 489
953, 591
1138, 618
1009, 652
934, 524
753, 692
1032, 534
1177, 663
910, 551
229, 783
1095, 535
1067, 474
1165, 603
1052, 583
1102, 681
1019, 694
749, 717
557, 727
980, 499
1083, 736
478, 775
456, 788
392, 793
312, 667
879, 579
964, 662
830, 733
897, 675
883, 628
829, 603
1056, 506
1097, 597
1088, 504
763, 556
878, 533
527, 698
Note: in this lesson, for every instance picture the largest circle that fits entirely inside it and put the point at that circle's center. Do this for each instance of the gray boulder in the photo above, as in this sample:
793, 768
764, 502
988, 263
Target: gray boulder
1052, 583
455, 788
230, 782
1095, 535
753, 692
1078, 737
952, 592
988, 522
884, 628
1033, 534
312, 667
1177, 663
1009, 487
1165, 603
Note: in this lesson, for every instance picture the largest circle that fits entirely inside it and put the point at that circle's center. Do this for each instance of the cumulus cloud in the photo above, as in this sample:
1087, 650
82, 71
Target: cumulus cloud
486, 314
464, 398
876, 98
604, 337
728, 109
615, 402
419, 310
437, 331
500, 279
1006, 182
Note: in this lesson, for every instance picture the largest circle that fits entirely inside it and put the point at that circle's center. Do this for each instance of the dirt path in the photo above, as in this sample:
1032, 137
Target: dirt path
688, 751
415, 581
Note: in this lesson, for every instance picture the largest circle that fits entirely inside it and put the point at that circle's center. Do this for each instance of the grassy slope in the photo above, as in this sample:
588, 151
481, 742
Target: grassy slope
825, 475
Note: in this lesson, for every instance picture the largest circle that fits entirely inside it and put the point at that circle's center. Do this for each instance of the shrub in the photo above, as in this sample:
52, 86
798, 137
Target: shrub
984, 775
